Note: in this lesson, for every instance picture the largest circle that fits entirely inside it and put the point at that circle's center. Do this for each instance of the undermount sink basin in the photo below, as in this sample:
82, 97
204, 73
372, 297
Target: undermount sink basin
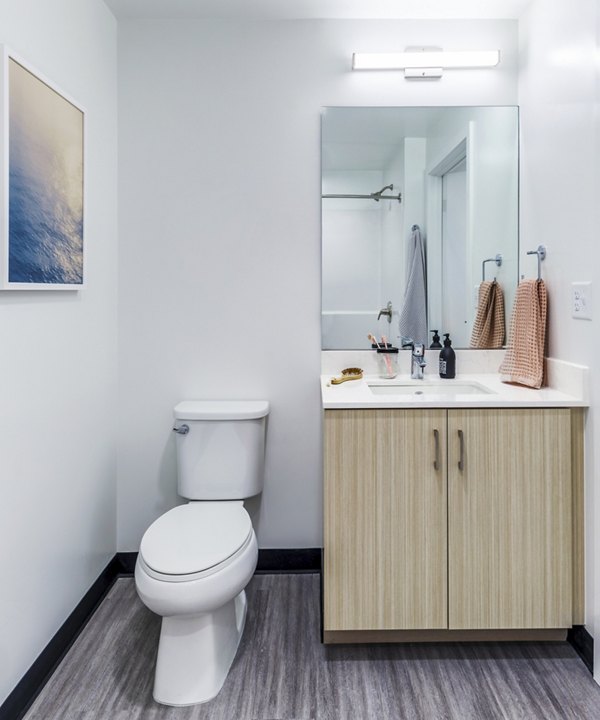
419, 387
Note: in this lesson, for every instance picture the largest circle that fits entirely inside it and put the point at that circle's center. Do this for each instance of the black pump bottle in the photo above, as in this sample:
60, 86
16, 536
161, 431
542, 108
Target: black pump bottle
435, 343
447, 359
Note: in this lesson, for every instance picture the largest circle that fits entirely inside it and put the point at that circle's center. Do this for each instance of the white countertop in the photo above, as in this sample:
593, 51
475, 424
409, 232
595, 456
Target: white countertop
357, 394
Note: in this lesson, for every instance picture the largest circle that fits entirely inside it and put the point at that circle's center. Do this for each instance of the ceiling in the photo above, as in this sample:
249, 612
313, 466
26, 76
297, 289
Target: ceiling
334, 9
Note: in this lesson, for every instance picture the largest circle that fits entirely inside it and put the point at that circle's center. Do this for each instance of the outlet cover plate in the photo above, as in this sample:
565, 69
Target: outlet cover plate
581, 300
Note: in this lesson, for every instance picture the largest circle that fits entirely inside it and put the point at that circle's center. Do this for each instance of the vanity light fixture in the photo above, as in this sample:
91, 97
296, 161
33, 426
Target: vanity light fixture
425, 62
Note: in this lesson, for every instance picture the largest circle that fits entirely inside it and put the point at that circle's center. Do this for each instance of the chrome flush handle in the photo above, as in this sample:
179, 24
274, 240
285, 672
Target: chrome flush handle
182, 429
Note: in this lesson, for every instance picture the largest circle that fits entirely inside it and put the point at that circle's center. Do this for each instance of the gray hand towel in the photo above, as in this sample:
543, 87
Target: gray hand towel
413, 316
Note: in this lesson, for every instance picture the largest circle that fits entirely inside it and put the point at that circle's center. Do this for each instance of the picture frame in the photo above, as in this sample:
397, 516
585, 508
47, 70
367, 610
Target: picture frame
42, 181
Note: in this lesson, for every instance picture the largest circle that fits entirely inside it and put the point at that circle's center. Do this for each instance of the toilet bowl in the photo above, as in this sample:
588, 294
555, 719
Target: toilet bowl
192, 568
196, 560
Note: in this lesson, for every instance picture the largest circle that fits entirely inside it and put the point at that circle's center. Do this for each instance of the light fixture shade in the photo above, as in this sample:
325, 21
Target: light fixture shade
426, 59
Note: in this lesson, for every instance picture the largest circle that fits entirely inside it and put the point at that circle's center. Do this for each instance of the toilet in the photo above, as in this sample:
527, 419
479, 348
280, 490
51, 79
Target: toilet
196, 559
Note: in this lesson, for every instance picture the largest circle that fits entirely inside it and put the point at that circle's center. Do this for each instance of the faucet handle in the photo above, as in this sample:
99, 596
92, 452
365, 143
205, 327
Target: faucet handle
407, 342
387, 310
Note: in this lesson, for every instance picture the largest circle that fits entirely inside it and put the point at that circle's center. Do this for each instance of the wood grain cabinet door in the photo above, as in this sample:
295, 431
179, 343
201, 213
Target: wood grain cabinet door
385, 520
509, 531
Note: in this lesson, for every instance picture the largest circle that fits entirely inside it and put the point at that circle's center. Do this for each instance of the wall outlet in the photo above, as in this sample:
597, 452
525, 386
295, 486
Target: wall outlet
581, 300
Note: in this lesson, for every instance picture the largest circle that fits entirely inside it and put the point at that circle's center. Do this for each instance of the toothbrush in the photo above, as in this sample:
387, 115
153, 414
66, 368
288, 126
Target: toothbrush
373, 339
386, 357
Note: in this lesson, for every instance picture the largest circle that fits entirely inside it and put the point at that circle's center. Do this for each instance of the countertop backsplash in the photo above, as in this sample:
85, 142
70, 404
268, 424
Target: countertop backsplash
467, 361
566, 377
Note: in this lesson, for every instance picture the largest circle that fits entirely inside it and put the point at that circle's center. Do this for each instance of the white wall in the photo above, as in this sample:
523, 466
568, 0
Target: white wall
219, 231
58, 363
560, 167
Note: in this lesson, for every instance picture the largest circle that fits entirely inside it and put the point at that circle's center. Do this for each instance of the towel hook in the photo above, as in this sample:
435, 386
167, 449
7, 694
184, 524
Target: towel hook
541, 255
497, 260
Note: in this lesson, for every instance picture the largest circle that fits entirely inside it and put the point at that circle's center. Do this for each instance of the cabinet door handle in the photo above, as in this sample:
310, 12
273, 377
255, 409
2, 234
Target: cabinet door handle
461, 440
436, 437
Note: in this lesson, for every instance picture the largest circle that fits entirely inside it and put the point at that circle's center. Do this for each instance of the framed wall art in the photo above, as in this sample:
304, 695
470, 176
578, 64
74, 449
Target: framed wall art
41, 181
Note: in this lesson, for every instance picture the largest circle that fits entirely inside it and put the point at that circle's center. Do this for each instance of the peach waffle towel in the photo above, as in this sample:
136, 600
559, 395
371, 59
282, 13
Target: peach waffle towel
489, 329
524, 359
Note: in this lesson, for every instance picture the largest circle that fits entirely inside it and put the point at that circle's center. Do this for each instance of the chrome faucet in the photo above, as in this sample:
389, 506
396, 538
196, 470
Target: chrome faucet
418, 361
387, 310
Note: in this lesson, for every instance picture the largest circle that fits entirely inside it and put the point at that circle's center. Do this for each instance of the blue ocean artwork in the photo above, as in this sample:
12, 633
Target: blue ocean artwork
45, 191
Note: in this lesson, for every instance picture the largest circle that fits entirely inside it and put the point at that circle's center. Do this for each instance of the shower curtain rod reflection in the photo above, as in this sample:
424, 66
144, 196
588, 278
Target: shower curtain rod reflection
377, 196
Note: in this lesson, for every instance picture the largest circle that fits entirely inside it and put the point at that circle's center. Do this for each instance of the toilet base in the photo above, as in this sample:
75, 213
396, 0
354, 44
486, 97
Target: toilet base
195, 653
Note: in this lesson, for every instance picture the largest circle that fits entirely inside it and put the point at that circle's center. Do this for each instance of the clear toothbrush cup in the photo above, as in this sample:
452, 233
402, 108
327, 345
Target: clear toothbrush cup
387, 361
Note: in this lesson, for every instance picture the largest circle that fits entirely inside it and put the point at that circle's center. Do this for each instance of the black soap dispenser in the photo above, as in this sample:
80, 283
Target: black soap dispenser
447, 359
436, 340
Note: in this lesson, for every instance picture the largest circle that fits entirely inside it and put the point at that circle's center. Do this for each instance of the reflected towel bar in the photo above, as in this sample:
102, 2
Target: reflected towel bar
497, 260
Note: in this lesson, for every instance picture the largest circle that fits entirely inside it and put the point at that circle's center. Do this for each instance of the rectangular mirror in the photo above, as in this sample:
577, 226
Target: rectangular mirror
419, 204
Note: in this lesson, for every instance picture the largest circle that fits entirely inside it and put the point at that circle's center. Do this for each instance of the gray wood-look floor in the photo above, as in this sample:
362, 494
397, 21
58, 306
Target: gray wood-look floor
282, 672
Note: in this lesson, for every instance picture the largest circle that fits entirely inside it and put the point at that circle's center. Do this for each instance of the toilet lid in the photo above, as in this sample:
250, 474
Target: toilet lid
195, 537
221, 409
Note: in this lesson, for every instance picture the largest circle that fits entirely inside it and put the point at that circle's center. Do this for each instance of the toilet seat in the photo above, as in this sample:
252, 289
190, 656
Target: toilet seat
195, 540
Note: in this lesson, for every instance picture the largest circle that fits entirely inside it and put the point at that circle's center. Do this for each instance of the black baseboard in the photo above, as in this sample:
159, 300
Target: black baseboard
289, 560
583, 643
126, 562
30, 685
286, 560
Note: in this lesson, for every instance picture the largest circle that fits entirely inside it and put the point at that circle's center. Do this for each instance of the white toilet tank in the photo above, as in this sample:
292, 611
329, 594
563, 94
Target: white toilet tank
222, 455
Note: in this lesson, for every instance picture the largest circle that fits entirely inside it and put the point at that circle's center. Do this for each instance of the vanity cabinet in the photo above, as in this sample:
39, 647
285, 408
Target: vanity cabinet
459, 519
